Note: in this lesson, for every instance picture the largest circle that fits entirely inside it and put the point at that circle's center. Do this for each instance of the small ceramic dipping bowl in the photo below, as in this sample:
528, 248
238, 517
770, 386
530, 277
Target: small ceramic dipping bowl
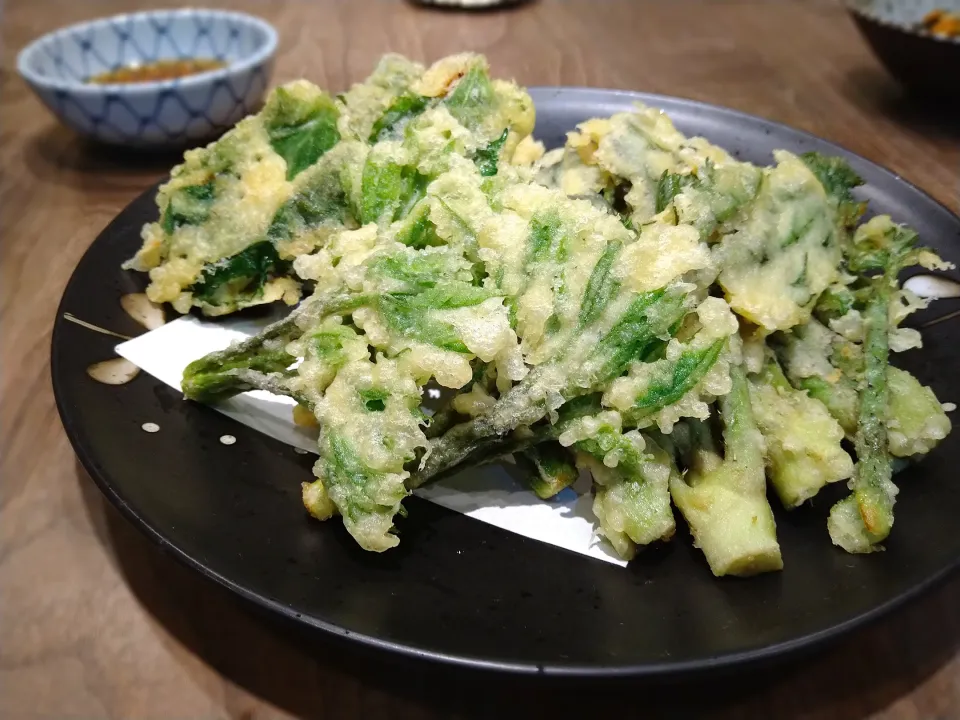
921, 58
66, 70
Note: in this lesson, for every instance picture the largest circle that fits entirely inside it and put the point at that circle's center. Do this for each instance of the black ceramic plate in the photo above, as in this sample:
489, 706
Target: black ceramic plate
460, 591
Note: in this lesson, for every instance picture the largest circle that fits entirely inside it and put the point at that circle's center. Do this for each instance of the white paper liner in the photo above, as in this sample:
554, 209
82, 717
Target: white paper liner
489, 494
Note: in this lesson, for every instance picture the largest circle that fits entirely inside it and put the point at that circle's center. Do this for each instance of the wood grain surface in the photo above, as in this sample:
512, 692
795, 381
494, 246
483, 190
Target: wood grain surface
96, 623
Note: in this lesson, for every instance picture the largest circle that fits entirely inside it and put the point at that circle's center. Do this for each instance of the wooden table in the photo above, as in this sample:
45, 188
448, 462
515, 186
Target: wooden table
94, 622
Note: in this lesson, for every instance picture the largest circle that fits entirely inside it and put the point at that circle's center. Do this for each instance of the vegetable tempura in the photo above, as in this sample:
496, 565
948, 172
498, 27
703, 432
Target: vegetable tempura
638, 305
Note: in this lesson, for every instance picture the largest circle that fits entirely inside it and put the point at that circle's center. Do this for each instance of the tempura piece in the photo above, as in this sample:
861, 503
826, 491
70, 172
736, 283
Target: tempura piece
880, 250
236, 213
802, 440
724, 498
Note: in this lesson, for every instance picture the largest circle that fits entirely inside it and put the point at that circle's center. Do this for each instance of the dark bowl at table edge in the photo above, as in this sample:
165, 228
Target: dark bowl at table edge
923, 63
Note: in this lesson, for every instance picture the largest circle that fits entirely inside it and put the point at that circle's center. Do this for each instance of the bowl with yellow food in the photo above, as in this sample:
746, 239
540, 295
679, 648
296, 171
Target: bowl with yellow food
918, 41
154, 80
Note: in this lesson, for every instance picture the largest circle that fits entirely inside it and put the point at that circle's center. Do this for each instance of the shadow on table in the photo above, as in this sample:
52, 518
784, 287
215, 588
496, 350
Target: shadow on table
875, 91
311, 676
58, 155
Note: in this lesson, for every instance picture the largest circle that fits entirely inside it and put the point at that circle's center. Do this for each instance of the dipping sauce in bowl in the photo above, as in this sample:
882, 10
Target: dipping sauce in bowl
159, 70
160, 79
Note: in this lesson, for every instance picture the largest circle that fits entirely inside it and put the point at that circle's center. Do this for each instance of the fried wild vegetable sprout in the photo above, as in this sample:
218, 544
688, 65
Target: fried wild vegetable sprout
236, 213
803, 440
638, 306
631, 497
878, 252
724, 497
885, 411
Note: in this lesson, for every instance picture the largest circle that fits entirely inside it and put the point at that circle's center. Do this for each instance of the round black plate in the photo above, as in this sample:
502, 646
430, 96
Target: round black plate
460, 591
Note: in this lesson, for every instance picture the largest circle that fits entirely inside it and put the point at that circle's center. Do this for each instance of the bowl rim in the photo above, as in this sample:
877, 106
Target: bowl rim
80, 87
863, 9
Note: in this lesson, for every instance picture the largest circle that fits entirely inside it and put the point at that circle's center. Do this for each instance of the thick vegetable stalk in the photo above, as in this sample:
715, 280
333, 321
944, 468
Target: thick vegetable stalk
724, 498
916, 421
631, 483
863, 520
802, 440
549, 467
630, 470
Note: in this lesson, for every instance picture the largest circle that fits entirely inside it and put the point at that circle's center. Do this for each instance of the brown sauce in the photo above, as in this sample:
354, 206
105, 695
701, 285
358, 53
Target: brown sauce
159, 70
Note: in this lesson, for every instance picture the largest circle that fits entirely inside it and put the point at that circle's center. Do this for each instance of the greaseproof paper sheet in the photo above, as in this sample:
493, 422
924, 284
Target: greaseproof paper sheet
490, 494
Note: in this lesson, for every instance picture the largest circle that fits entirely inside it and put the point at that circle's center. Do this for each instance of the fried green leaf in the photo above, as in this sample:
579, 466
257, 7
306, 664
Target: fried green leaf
301, 131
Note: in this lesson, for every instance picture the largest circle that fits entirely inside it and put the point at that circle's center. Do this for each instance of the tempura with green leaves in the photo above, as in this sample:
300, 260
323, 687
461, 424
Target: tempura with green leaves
637, 305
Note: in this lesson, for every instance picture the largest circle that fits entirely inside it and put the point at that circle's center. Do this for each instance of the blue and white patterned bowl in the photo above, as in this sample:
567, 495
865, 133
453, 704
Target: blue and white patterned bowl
161, 114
